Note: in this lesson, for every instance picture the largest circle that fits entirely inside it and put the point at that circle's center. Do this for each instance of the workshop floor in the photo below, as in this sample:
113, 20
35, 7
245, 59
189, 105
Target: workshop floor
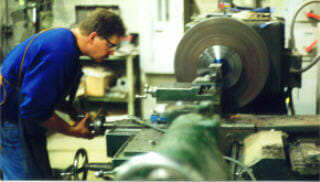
62, 149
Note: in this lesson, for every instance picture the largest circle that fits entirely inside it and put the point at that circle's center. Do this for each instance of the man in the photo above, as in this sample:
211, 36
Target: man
37, 76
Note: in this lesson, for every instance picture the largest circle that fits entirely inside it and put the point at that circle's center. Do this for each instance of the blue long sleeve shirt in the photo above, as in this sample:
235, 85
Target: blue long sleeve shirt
49, 71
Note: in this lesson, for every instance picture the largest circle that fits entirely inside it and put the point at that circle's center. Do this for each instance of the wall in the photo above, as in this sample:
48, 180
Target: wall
21, 28
305, 98
129, 12
160, 34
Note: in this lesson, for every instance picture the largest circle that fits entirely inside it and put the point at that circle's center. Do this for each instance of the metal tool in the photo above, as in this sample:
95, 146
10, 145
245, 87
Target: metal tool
141, 122
98, 123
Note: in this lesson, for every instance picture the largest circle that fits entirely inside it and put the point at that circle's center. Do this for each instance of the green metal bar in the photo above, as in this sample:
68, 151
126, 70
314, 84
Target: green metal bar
187, 151
192, 142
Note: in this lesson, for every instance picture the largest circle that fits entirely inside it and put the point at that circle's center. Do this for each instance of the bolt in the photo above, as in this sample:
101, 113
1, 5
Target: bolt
152, 142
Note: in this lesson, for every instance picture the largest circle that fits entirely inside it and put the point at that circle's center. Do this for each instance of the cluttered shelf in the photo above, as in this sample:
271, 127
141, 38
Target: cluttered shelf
116, 80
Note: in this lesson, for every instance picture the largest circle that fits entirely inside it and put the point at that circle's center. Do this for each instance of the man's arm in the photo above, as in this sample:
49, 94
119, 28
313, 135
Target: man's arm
79, 129
68, 108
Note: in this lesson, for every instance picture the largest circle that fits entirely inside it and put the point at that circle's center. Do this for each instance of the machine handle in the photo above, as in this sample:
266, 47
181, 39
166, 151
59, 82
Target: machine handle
310, 14
146, 91
311, 46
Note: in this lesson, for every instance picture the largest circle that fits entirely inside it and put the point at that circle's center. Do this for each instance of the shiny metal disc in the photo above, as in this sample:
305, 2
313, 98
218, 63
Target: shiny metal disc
241, 49
231, 63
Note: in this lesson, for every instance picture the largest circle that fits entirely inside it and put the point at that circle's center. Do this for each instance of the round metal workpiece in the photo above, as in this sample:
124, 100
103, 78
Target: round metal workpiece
231, 63
228, 36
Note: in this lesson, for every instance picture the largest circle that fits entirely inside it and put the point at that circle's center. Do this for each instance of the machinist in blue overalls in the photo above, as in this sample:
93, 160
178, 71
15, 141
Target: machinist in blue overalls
36, 77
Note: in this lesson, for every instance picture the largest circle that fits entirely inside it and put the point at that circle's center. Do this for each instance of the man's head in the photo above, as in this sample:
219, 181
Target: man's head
103, 30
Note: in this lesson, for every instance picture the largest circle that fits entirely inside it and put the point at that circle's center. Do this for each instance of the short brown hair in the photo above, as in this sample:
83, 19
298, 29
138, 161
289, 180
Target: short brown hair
104, 22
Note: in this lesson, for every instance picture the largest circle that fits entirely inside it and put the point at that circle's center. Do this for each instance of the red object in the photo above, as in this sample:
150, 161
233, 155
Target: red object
221, 6
312, 15
310, 47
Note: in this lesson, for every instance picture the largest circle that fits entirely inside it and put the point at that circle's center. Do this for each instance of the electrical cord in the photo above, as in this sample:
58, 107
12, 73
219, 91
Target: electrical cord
313, 62
292, 40
253, 178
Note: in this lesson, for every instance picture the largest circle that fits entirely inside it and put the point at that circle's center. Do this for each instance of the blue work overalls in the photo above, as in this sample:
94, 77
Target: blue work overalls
50, 71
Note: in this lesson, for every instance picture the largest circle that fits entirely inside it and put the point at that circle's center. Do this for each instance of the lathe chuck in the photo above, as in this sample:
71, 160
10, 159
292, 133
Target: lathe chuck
240, 49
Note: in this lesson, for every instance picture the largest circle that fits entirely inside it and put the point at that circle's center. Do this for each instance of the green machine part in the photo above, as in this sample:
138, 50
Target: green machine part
188, 151
187, 92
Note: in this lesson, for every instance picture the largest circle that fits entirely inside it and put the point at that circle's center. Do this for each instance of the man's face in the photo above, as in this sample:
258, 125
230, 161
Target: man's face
102, 48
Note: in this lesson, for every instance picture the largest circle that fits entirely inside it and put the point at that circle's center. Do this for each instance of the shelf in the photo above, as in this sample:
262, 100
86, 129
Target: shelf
132, 73
117, 57
105, 99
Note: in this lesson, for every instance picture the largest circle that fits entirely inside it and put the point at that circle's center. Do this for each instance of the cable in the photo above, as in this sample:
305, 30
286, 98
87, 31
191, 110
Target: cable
292, 40
313, 62
234, 155
253, 178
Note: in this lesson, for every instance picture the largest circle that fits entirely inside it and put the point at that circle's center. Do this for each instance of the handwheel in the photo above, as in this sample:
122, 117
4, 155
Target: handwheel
81, 154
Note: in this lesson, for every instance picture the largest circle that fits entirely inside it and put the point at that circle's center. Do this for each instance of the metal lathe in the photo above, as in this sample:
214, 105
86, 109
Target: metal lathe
225, 119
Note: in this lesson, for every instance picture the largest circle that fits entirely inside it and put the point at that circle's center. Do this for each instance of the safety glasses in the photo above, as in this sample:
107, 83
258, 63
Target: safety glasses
110, 44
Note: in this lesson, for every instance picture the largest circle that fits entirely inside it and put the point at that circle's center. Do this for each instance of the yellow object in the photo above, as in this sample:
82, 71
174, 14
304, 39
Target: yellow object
287, 100
96, 81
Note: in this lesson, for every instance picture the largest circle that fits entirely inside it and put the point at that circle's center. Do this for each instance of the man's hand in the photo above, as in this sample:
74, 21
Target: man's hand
81, 129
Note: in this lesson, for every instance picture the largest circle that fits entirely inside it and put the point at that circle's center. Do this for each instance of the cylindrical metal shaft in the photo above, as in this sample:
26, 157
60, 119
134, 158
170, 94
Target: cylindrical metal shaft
188, 151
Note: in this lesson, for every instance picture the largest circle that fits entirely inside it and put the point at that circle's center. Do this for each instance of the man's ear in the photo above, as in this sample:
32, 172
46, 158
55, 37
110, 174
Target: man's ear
92, 35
